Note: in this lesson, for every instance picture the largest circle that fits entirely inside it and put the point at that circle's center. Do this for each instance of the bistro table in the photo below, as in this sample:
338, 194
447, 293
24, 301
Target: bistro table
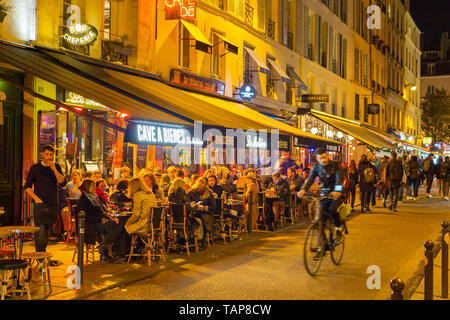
18, 232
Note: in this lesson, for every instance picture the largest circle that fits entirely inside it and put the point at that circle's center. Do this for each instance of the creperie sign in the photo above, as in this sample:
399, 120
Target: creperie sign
180, 9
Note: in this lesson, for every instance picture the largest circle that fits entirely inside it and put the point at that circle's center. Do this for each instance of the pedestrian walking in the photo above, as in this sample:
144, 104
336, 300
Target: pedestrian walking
438, 175
394, 175
366, 182
429, 169
382, 182
414, 174
374, 161
42, 186
353, 178
444, 173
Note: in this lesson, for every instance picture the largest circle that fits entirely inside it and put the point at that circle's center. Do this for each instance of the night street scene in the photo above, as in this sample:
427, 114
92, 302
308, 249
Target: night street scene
218, 158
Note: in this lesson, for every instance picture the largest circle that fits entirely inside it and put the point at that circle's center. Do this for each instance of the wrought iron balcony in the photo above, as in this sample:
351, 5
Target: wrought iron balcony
290, 40
271, 29
112, 55
249, 14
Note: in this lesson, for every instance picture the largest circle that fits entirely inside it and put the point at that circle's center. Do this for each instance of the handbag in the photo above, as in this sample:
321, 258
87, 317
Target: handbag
346, 183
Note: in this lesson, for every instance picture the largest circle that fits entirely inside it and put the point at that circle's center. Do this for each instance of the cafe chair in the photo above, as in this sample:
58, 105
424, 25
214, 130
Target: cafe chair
72, 227
261, 212
153, 239
90, 253
10, 267
42, 260
223, 225
178, 228
291, 207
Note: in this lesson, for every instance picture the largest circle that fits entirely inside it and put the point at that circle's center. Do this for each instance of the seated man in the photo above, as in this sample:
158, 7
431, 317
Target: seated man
281, 189
295, 181
329, 174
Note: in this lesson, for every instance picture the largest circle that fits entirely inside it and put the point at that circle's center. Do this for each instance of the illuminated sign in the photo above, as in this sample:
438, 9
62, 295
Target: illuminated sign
180, 9
157, 134
72, 97
315, 97
247, 92
80, 34
193, 81
427, 140
373, 109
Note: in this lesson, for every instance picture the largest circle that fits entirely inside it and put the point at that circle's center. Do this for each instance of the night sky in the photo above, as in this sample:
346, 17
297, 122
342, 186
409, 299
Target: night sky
432, 17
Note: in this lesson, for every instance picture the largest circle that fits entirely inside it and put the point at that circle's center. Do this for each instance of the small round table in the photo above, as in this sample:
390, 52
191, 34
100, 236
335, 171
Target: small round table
18, 232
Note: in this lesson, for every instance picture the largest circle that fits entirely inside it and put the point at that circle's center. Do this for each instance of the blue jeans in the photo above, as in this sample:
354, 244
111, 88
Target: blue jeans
329, 207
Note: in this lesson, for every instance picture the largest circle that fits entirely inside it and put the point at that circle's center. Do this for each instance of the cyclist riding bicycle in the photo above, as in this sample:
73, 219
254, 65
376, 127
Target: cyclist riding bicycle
328, 172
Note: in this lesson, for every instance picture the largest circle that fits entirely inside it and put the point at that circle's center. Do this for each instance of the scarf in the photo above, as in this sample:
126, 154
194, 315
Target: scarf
93, 198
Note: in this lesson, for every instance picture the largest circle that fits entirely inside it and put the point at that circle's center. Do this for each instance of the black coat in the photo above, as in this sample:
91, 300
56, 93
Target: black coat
94, 215
413, 170
363, 185
353, 179
229, 188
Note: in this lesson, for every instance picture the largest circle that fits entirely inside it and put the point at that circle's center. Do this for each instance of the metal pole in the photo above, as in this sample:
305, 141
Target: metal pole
397, 286
81, 225
429, 245
444, 277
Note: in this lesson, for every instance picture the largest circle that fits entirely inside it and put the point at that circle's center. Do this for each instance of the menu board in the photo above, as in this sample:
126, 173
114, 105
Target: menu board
47, 129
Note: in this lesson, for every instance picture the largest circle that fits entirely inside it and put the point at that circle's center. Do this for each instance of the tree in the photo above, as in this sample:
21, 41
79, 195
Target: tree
436, 115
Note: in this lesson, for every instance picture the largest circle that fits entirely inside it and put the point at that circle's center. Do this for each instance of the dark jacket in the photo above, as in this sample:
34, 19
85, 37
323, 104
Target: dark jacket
444, 168
94, 215
330, 176
413, 170
193, 195
297, 180
432, 167
119, 198
353, 179
179, 196
281, 188
394, 173
217, 190
229, 188
381, 168
365, 186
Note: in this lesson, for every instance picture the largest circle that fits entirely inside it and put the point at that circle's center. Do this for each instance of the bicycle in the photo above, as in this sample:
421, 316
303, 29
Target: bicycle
320, 238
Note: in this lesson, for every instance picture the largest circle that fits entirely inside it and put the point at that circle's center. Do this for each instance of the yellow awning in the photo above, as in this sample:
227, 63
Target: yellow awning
196, 33
354, 129
231, 46
262, 67
284, 77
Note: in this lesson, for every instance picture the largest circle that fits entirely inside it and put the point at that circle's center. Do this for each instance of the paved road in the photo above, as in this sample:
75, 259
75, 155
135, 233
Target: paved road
272, 268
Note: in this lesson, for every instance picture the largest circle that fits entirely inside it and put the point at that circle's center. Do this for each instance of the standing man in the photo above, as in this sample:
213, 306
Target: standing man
394, 176
444, 173
42, 184
429, 170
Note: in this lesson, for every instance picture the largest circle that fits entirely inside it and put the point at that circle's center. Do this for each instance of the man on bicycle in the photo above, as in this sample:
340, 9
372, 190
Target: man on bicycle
328, 172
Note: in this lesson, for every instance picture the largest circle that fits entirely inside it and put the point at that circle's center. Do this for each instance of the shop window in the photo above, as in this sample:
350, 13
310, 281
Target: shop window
186, 48
107, 20
357, 107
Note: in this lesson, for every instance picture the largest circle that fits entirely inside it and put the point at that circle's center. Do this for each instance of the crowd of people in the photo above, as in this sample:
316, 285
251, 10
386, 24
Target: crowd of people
139, 191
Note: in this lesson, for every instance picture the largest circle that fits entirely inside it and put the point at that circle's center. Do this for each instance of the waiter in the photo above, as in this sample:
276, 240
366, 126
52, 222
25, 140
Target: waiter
42, 185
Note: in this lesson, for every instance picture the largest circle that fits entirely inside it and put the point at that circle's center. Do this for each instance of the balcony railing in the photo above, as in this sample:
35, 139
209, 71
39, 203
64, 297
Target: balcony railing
64, 44
309, 52
323, 59
271, 29
248, 14
334, 66
289, 94
270, 89
290, 40
109, 54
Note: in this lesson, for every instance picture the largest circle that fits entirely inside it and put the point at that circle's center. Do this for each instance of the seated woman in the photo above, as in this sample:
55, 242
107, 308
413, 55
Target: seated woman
177, 193
73, 187
227, 185
203, 205
95, 213
251, 196
150, 181
119, 197
101, 192
215, 188
164, 184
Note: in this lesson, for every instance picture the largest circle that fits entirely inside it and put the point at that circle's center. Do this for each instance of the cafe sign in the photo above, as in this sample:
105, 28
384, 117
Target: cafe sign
80, 34
151, 133
323, 98
190, 80
180, 9
247, 92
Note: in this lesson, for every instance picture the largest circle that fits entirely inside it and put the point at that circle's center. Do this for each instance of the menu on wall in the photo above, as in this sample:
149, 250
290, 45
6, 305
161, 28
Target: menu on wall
47, 129
141, 156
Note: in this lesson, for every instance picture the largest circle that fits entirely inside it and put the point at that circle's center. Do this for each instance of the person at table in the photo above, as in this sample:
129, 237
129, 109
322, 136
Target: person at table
42, 186
73, 187
251, 196
171, 171
281, 190
295, 181
193, 180
95, 212
125, 172
88, 175
120, 196
150, 181
213, 185
203, 204
228, 186
158, 175
177, 192
100, 191
164, 184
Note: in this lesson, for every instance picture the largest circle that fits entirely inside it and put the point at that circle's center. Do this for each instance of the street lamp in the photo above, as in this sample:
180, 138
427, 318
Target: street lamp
413, 86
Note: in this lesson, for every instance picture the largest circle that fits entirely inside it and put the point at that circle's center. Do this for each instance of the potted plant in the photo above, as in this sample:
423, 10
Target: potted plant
3, 11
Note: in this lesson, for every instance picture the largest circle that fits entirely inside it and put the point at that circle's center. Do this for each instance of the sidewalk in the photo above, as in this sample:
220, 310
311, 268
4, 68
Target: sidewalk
102, 276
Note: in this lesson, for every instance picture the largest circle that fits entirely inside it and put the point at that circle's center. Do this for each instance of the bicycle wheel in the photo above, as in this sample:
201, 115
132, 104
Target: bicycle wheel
337, 248
314, 249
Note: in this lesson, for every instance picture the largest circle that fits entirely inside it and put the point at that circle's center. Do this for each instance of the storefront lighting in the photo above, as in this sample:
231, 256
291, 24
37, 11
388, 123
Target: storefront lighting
123, 115
411, 139
314, 130
62, 109
78, 109
339, 135
329, 133
350, 138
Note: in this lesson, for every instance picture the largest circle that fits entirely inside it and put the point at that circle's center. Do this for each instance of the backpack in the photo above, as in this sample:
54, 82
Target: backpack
427, 166
397, 171
443, 172
415, 173
369, 175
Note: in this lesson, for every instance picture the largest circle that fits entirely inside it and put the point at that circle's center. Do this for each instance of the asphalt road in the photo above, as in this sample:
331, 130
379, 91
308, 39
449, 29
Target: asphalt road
272, 268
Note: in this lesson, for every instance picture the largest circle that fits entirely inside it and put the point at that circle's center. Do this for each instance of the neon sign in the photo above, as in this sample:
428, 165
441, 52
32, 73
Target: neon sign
180, 9
247, 92
81, 34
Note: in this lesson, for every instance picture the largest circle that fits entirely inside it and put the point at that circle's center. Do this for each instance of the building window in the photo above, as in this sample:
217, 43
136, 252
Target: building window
215, 54
366, 115
270, 86
431, 69
186, 48
356, 106
107, 20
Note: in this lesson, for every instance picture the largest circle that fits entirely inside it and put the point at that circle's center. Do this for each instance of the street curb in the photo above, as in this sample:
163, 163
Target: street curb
150, 274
